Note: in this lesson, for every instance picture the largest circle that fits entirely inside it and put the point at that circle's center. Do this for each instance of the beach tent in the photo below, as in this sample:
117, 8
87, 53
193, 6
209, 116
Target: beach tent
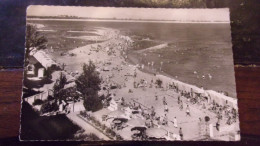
113, 105
128, 112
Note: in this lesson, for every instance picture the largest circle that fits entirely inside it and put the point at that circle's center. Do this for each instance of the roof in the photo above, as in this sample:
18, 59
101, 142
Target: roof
44, 59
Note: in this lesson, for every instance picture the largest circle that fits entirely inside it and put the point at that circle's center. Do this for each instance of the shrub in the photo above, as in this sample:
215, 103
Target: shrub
119, 137
92, 102
37, 102
92, 136
103, 126
88, 83
49, 107
98, 124
83, 113
93, 119
81, 136
113, 133
108, 130
50, 98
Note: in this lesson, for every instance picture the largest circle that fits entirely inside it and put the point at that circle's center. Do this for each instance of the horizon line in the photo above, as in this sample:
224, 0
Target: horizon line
124, 20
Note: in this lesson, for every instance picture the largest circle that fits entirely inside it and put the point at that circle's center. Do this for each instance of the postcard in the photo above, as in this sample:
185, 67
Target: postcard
128, 74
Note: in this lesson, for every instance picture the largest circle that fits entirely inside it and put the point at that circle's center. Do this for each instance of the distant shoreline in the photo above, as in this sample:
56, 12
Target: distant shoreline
110, 20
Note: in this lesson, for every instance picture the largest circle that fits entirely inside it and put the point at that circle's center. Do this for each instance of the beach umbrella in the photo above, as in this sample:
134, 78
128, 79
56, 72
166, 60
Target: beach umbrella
156, 133
140, 129
120, 120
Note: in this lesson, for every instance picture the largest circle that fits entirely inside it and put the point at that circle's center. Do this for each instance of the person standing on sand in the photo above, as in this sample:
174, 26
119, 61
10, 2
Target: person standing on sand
217, 125
175, 124
152, 111
164, 101
181, 105
180, 133
165, 120
188, 111
166, 108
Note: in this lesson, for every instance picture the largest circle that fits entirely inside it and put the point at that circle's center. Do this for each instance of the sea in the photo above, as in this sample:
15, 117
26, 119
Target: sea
196, 53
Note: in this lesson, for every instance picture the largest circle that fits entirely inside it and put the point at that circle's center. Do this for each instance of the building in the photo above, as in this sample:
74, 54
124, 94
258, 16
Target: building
39, 64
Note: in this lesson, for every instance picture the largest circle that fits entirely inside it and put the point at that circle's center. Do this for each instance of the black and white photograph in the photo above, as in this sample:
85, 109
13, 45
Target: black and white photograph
128, 74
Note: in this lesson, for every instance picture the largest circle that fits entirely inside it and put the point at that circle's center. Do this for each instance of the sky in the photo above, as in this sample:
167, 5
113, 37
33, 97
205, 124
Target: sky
211, 15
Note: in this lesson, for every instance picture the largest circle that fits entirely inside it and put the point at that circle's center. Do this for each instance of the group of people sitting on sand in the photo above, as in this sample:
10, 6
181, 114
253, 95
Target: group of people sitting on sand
223, 112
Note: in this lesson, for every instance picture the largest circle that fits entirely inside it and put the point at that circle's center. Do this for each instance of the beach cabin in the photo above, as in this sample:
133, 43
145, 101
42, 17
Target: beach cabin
39, 63
128, 113
113, 105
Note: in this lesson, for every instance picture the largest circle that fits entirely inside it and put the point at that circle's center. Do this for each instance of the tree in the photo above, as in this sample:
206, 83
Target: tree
89, 79
88, 83
92, 102
58, 87
48, 107
34, 40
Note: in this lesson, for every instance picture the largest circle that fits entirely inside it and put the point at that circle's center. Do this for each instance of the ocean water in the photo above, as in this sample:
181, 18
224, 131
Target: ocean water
197, 53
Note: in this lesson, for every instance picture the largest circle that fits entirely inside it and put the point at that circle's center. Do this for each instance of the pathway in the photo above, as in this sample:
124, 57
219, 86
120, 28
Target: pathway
87, 127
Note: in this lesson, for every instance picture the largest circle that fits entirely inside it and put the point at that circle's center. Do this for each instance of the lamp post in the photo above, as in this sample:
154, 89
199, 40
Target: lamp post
207, 119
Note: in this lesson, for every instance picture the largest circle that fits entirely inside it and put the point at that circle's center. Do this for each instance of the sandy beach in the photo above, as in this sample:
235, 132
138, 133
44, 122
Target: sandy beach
110, 59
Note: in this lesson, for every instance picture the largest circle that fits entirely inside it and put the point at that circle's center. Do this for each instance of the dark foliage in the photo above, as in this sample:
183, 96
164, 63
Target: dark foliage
89, 80
88, 83
38, 102
92, 136
34, 40
49, 107
35, 127
92, 102
58, 87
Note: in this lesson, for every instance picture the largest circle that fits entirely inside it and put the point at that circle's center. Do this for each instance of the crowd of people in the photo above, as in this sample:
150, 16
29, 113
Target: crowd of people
185, 99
